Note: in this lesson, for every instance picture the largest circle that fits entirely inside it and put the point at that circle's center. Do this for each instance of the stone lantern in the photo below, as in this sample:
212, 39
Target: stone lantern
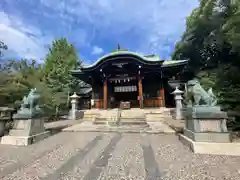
178, 101
74, 102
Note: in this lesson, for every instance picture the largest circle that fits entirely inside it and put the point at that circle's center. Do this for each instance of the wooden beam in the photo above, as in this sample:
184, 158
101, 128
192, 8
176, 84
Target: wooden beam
105, 94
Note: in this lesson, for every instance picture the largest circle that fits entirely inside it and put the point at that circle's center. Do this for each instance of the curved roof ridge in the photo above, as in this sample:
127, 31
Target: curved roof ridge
154, 58
168, 63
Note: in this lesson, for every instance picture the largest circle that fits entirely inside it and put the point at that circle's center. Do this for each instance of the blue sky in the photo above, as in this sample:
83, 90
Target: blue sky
95, 27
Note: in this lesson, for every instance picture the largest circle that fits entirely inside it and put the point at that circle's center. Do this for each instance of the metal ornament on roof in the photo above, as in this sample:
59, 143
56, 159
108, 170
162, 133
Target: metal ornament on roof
118, 47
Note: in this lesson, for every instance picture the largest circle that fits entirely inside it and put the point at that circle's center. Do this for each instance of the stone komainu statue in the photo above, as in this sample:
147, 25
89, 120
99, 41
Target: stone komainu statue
196, 95
30, 106
33, 98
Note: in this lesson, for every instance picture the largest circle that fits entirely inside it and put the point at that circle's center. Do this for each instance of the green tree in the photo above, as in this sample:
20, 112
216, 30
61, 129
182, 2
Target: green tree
211, 42
2, 48
61, 58
17, 77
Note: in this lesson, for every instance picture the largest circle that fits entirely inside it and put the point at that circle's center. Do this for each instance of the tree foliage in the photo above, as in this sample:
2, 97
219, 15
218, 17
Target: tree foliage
61, 58
17, 77
211, 42
2, 48
51, 78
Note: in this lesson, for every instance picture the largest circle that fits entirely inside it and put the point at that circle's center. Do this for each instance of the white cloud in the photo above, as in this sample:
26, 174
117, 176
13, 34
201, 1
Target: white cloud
97, 50
156, 21
150, 26
24, 40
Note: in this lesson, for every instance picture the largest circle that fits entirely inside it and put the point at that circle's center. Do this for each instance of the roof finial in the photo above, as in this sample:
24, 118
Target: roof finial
118, 47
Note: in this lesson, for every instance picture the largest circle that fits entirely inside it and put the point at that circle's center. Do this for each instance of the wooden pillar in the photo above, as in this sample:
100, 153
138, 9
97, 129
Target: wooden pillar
105, 94
162, 94
140, 91
93, 99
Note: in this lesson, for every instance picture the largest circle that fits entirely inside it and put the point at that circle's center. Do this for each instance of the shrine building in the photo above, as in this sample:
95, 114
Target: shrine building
124, 76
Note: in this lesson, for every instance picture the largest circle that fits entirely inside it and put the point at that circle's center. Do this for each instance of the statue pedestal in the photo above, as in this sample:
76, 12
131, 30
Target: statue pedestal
206, 124
26, 132
206, 131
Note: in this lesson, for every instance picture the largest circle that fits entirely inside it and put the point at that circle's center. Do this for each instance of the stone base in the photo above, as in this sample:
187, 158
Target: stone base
217, 137
229, 149
24, 140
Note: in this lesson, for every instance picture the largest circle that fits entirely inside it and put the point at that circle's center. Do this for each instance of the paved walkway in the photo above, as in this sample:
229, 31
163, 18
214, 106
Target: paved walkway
105, 156
154, 127
61, 124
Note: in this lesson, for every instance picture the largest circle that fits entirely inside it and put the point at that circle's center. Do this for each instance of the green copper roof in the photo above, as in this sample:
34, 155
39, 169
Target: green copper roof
150, 58
85, 90
153, 58
169, 63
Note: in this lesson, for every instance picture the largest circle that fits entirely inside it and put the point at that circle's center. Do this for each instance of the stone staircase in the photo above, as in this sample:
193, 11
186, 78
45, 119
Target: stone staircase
90, 115
134, 116
109, 117
118, 117
132, 120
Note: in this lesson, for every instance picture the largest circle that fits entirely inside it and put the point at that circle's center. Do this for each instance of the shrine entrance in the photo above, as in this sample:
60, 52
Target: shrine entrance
125, 90
127, 79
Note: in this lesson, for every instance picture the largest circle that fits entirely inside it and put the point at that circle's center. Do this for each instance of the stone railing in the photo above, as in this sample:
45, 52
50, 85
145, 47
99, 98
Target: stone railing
5, 119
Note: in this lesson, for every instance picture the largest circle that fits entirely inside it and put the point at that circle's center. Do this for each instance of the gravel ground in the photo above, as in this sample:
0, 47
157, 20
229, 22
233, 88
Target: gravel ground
105, 156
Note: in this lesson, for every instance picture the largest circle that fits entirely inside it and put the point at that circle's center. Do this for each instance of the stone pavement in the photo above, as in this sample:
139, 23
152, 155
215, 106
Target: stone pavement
60, 124
105, 156
154, 127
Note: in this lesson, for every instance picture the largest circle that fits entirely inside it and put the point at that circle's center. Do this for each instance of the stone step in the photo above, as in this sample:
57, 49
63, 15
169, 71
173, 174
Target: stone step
132, 119
126, 128
129, 123
18, 132
132, 113
90, 116
114, 114
100, 122
157, 117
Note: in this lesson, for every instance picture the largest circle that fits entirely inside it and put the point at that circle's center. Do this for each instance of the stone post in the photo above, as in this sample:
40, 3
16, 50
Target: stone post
178, 101
74, 102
